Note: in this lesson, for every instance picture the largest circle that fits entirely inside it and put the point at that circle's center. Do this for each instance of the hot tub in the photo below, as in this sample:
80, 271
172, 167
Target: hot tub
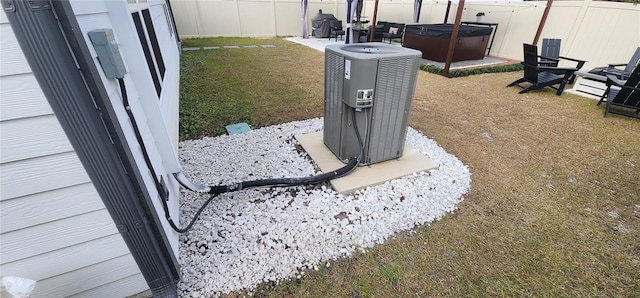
433, 41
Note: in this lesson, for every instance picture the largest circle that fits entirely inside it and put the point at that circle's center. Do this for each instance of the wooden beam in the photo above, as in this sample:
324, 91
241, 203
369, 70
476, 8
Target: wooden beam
372, 32
454, 38
542, 21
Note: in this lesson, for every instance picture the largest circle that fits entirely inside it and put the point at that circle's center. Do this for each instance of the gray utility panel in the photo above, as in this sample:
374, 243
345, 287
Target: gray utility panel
108, 53
378, 81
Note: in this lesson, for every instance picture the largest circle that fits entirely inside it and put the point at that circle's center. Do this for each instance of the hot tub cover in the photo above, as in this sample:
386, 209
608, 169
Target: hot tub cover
444, 30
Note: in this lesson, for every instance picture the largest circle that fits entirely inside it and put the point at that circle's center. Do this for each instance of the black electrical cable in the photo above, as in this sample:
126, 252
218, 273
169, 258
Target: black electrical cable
159, 187
216, 190
282, 182
350, 167
355, 127
352, 164
347, 169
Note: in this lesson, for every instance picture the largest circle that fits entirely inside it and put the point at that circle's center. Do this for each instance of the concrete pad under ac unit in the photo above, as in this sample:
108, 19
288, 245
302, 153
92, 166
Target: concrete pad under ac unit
411, 161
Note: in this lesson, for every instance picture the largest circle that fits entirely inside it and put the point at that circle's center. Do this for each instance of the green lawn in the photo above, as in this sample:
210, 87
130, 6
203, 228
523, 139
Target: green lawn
554, 205
260, 86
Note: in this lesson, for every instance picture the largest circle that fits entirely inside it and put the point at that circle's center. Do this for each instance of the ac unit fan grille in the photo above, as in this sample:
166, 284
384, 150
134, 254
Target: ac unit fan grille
393, 104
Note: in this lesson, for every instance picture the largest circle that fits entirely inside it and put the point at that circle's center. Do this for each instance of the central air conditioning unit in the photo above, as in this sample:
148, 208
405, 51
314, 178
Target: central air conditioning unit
377, 81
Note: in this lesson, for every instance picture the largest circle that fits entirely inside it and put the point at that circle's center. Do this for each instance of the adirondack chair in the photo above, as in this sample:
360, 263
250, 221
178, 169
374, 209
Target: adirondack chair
335, 29
542, 76
550, 55
624, 94
612, 69
550, 52
592, 83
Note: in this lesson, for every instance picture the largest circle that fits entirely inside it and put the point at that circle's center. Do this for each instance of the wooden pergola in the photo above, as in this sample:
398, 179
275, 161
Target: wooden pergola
456, 28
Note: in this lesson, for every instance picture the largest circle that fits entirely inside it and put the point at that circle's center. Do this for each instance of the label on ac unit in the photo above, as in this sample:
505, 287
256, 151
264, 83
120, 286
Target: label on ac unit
364, 98
347, 69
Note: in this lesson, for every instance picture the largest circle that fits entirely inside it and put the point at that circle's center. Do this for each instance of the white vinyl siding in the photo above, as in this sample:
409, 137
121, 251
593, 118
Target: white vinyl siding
54, 226
118, 288
20, 93
39, 174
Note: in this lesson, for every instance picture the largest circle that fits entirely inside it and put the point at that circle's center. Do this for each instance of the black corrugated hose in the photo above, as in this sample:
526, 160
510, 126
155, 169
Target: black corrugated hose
220, 189
282, 182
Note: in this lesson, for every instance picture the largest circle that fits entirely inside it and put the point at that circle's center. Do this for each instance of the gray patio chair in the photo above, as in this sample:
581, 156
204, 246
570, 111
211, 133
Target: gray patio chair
377, 34
335, 29
395, 31
623, 94
612, 69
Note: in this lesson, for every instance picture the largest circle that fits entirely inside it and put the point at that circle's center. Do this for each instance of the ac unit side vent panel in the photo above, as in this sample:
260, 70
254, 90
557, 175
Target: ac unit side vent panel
333, 84
395, 86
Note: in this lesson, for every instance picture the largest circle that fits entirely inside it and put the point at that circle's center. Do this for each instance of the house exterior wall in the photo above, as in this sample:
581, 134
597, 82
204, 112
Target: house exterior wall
156, 116
54, 227
600, 32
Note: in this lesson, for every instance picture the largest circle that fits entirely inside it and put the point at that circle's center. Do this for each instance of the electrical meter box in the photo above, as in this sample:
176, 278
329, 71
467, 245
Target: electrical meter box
376, 81
108, 53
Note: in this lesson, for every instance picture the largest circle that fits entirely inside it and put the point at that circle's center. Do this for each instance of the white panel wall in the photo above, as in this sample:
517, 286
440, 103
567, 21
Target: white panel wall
256, 10
613, 41
283, 23
600, 32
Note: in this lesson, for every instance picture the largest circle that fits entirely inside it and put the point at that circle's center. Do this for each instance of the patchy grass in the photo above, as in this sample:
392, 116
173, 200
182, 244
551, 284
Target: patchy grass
554, 205
260, 86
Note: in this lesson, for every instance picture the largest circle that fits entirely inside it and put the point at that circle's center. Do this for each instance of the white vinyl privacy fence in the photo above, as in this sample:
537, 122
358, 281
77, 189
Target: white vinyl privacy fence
598, 31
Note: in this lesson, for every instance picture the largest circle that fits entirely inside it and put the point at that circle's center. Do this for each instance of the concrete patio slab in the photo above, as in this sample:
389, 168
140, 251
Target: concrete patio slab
412, 161
486, 61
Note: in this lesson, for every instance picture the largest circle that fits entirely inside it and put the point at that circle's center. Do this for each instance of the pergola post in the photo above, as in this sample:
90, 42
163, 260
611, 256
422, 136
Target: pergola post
542, 21
454, 38
372, 33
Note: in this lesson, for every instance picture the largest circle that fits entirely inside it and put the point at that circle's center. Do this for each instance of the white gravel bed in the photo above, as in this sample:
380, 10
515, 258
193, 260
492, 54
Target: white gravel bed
252, 236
